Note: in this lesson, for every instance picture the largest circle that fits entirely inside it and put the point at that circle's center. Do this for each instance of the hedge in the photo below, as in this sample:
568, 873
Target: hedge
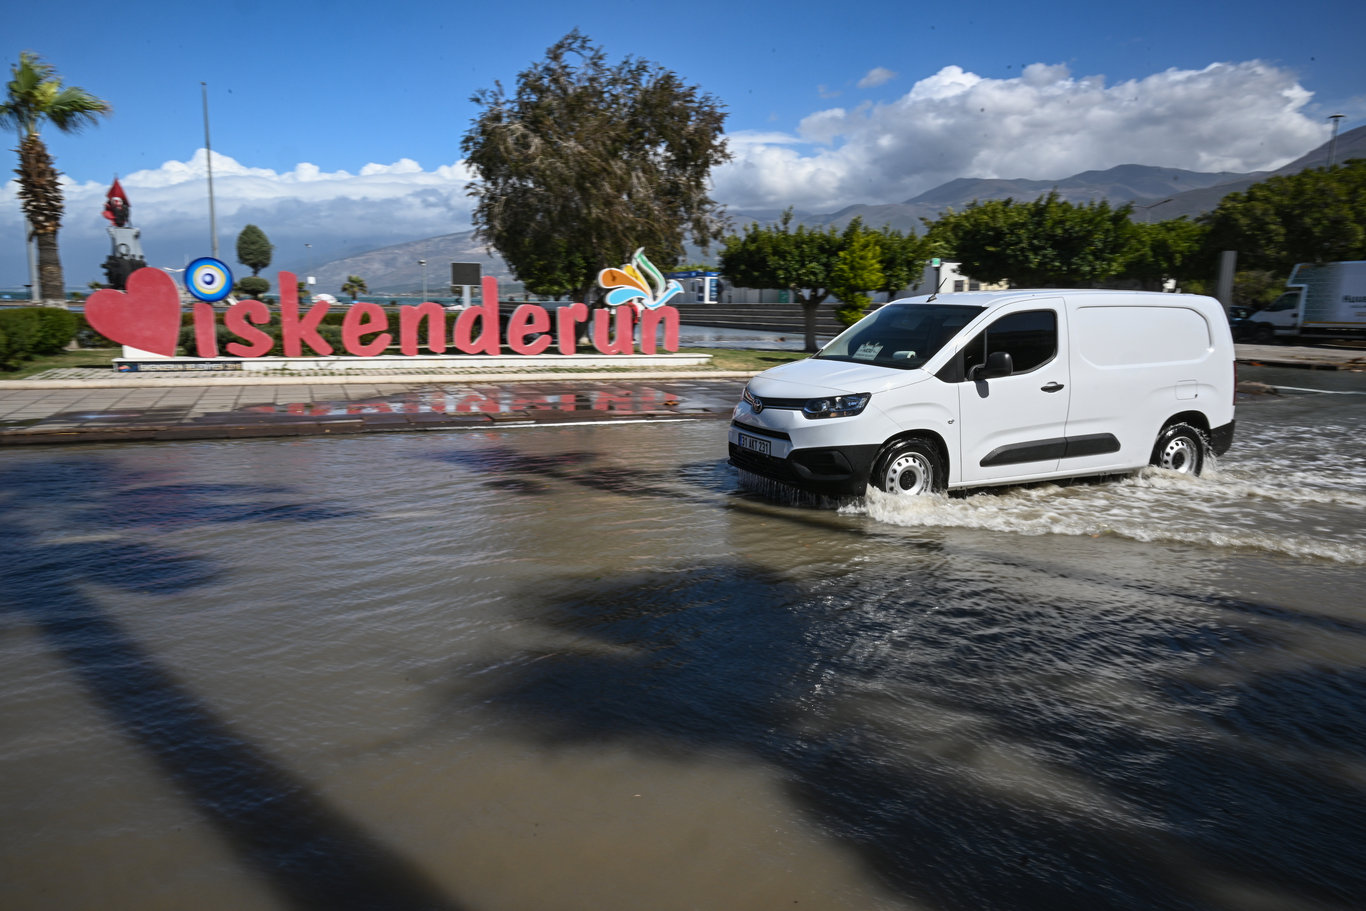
29, 331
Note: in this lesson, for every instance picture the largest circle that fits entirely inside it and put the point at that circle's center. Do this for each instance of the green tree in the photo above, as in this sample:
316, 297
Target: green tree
254, 249
801, 260
585, 162
35, 95
1317, 215
1045, 243
857, 270
904, 257
354, 286
1165, 250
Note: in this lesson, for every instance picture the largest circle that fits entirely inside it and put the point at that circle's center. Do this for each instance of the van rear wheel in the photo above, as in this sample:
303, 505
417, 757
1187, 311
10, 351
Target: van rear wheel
909, 468
1181, 448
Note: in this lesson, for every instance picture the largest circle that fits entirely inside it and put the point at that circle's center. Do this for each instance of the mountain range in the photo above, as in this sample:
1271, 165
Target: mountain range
1156, 193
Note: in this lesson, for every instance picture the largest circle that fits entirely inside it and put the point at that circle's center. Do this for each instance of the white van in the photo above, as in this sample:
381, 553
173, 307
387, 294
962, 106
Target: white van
981, 389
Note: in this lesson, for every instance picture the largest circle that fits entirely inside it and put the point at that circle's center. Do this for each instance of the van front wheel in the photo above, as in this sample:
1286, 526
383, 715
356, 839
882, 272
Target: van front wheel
1180, 448
909, 468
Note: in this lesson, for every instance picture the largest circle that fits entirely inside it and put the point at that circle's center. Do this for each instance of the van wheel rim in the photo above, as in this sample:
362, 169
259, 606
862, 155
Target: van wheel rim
909, 474
1179, 455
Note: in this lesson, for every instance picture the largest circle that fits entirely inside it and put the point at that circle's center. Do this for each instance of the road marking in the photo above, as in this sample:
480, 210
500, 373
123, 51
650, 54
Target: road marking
1321, 391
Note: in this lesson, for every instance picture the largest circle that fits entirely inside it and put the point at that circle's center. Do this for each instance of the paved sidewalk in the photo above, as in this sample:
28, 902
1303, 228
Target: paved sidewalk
84, 405
181, 407
1302, 356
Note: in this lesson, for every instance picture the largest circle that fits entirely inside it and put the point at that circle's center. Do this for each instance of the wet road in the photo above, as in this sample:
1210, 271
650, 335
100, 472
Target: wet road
583, 667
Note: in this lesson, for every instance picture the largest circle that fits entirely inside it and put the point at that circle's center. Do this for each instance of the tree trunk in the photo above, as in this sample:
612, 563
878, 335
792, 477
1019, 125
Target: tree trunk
40, 191
51, 286
809, 307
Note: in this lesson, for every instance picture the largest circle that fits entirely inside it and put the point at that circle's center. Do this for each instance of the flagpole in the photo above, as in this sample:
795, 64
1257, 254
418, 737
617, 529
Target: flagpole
208, 160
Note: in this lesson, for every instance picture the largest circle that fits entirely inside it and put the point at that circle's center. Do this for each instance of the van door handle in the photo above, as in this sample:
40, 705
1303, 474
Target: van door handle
1051, 387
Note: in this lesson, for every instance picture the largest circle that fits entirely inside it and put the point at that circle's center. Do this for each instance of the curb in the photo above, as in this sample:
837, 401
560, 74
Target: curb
373, 378
342, 425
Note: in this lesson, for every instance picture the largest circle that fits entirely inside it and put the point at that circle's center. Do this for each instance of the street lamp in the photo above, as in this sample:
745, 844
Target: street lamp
1146, 215
208, 162
311, 281
1333, 142
423, 264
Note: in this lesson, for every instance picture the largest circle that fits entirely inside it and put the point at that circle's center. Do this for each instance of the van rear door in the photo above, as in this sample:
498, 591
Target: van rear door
1012, 426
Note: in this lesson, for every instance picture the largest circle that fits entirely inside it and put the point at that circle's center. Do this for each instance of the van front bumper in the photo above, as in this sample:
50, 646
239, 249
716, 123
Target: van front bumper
826, 470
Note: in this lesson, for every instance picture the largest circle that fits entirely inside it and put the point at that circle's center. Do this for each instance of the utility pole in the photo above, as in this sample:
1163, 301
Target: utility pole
208, 160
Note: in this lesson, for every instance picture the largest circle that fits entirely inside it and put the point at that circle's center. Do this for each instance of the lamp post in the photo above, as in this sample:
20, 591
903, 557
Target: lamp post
423, 264
1333, 141
208, 161
309, 277
1147, 209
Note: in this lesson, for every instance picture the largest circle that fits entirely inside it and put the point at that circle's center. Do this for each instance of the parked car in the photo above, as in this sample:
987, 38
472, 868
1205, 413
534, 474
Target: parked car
1240, 324
994, 388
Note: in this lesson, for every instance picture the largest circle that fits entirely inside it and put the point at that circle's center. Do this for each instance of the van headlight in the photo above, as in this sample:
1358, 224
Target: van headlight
836, 406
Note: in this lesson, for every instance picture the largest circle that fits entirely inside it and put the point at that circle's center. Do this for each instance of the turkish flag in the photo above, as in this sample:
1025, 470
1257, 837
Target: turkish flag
116, 211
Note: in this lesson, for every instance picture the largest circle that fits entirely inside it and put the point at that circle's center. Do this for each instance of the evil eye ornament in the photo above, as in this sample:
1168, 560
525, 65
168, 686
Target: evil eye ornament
208, 279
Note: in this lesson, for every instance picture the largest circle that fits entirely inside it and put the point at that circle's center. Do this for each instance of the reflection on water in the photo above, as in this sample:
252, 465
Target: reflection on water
581, 667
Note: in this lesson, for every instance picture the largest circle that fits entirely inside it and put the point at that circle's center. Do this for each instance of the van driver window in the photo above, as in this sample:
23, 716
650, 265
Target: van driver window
1030, 338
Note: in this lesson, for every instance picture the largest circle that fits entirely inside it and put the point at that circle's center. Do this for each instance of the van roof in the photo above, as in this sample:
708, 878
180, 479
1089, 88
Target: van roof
989, 299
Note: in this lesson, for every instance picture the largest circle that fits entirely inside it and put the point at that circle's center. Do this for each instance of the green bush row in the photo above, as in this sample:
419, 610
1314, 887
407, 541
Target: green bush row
330, 333
26, 332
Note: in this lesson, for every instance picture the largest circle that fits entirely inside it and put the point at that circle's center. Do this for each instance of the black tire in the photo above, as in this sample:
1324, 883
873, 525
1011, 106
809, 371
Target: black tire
1181, 448
1264, 335
909, 468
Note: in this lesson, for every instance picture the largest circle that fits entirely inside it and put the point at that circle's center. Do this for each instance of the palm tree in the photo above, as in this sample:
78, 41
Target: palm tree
354, 285
35, 95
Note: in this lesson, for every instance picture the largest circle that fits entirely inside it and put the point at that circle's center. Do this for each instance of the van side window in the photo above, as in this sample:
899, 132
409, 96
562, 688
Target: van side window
1030, 337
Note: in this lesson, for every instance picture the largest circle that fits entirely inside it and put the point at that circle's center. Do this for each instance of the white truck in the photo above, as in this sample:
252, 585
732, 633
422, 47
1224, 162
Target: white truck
1321, 299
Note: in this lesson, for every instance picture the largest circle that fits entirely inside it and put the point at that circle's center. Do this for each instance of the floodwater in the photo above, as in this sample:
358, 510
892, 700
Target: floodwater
584, 667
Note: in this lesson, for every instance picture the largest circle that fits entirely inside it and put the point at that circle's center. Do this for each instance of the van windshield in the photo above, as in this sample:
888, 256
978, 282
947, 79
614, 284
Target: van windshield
903, 336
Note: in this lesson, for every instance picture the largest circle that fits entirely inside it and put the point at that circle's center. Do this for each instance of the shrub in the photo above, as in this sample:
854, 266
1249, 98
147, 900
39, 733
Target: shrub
252, 286
87, 337
23, 328
56, 328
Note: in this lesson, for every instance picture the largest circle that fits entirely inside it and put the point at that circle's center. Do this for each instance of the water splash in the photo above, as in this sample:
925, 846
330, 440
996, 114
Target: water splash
1231, 506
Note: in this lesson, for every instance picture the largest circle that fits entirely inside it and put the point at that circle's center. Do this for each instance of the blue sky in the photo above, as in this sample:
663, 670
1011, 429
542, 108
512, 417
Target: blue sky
343, 120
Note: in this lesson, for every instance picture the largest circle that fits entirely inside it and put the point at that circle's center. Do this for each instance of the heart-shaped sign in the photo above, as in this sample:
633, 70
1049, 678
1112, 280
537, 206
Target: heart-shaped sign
146, 316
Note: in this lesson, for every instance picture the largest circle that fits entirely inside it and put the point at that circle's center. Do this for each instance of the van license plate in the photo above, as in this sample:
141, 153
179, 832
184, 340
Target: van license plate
754, 444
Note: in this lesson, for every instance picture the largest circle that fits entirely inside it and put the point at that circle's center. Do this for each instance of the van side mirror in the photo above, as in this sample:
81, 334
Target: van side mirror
999, 363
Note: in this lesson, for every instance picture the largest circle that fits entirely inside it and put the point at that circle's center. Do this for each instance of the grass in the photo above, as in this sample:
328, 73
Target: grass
736, 359
751, 359
83, 357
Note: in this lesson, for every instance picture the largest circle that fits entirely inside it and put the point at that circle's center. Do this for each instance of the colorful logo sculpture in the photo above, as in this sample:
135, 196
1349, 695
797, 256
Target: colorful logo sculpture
208, 279
148, 317
638, 283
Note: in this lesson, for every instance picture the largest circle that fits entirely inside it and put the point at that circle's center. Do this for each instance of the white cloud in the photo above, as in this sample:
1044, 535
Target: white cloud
1043, 124
878, 75
339, 213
